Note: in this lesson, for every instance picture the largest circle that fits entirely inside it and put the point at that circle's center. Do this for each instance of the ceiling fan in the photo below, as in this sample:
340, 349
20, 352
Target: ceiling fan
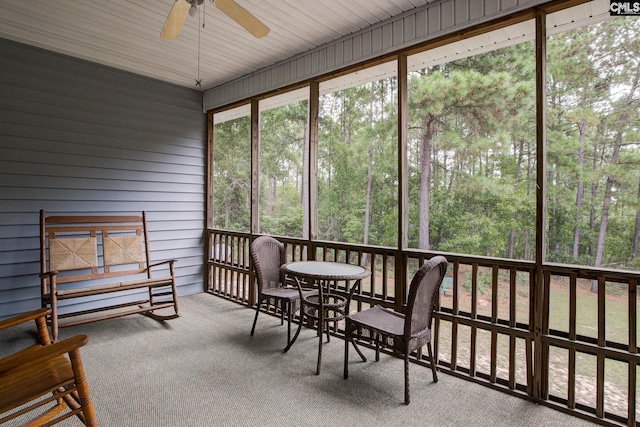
233, 10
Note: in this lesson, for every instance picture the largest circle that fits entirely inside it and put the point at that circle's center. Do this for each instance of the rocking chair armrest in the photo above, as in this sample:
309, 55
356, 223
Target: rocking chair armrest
169, 261
24, 317
40, 354
48, 274
43, 353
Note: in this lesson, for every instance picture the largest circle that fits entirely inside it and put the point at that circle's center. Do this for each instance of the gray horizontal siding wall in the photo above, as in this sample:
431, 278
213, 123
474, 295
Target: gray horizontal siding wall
79, 138
411, 28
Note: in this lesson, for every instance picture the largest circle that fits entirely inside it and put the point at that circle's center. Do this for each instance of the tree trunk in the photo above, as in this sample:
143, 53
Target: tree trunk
553, 243
367, 206
580, 190
527, 247
604, 220
425, 182
594, 193
518, 150
636, 232
606, 203
511, 242
271, 198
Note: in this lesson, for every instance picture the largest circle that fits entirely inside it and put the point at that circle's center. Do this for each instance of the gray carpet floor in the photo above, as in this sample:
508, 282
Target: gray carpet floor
204, 369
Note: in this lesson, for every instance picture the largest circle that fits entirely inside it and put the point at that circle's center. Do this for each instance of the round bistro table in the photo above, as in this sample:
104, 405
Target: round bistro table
326, 306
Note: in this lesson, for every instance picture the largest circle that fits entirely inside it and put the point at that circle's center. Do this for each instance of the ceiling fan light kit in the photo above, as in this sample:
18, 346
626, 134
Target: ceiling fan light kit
193, 10
180, 9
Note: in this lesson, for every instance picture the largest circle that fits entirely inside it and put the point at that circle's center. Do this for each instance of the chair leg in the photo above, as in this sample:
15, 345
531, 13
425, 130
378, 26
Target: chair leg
406, 378
321, 325
88, 412
295, 337
433, 365
347, 338
288, 322
328, 331
255, 319
362, 356
319, 352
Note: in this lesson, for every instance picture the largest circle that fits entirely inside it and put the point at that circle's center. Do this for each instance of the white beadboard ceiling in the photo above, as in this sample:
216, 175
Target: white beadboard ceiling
125, 34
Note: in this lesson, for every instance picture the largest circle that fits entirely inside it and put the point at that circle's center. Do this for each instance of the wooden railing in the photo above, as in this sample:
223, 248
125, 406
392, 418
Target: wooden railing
592, 345
485, 325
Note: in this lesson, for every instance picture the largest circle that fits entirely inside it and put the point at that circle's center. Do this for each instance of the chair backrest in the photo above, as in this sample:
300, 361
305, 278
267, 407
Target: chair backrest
268, 255
422, 295
88, 247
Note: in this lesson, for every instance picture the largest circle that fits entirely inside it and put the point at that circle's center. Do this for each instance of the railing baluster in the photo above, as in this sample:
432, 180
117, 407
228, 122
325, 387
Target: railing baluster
385, 277
454, 323
513, 275
571, 393
633, 348
474, 315
601, 342
494, 320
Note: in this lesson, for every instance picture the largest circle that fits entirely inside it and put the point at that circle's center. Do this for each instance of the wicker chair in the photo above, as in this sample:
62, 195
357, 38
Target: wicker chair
268, 255
403, 332
29, 375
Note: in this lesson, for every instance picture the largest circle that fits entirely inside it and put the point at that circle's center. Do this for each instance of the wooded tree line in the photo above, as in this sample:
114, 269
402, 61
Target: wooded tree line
471, 152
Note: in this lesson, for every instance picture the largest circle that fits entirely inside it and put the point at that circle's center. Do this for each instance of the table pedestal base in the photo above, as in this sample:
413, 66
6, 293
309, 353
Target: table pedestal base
324, 309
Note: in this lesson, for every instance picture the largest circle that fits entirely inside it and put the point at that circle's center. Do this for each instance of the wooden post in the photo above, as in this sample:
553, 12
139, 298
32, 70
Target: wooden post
254, 219
312, 167
400, 274
208, 273
540, 354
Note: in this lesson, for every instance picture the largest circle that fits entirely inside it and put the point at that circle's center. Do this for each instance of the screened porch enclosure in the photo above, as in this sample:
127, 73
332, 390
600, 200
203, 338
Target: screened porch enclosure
511, 149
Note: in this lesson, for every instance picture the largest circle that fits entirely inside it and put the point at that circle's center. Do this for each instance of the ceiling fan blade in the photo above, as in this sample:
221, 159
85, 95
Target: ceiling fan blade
245, 19
175, 20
